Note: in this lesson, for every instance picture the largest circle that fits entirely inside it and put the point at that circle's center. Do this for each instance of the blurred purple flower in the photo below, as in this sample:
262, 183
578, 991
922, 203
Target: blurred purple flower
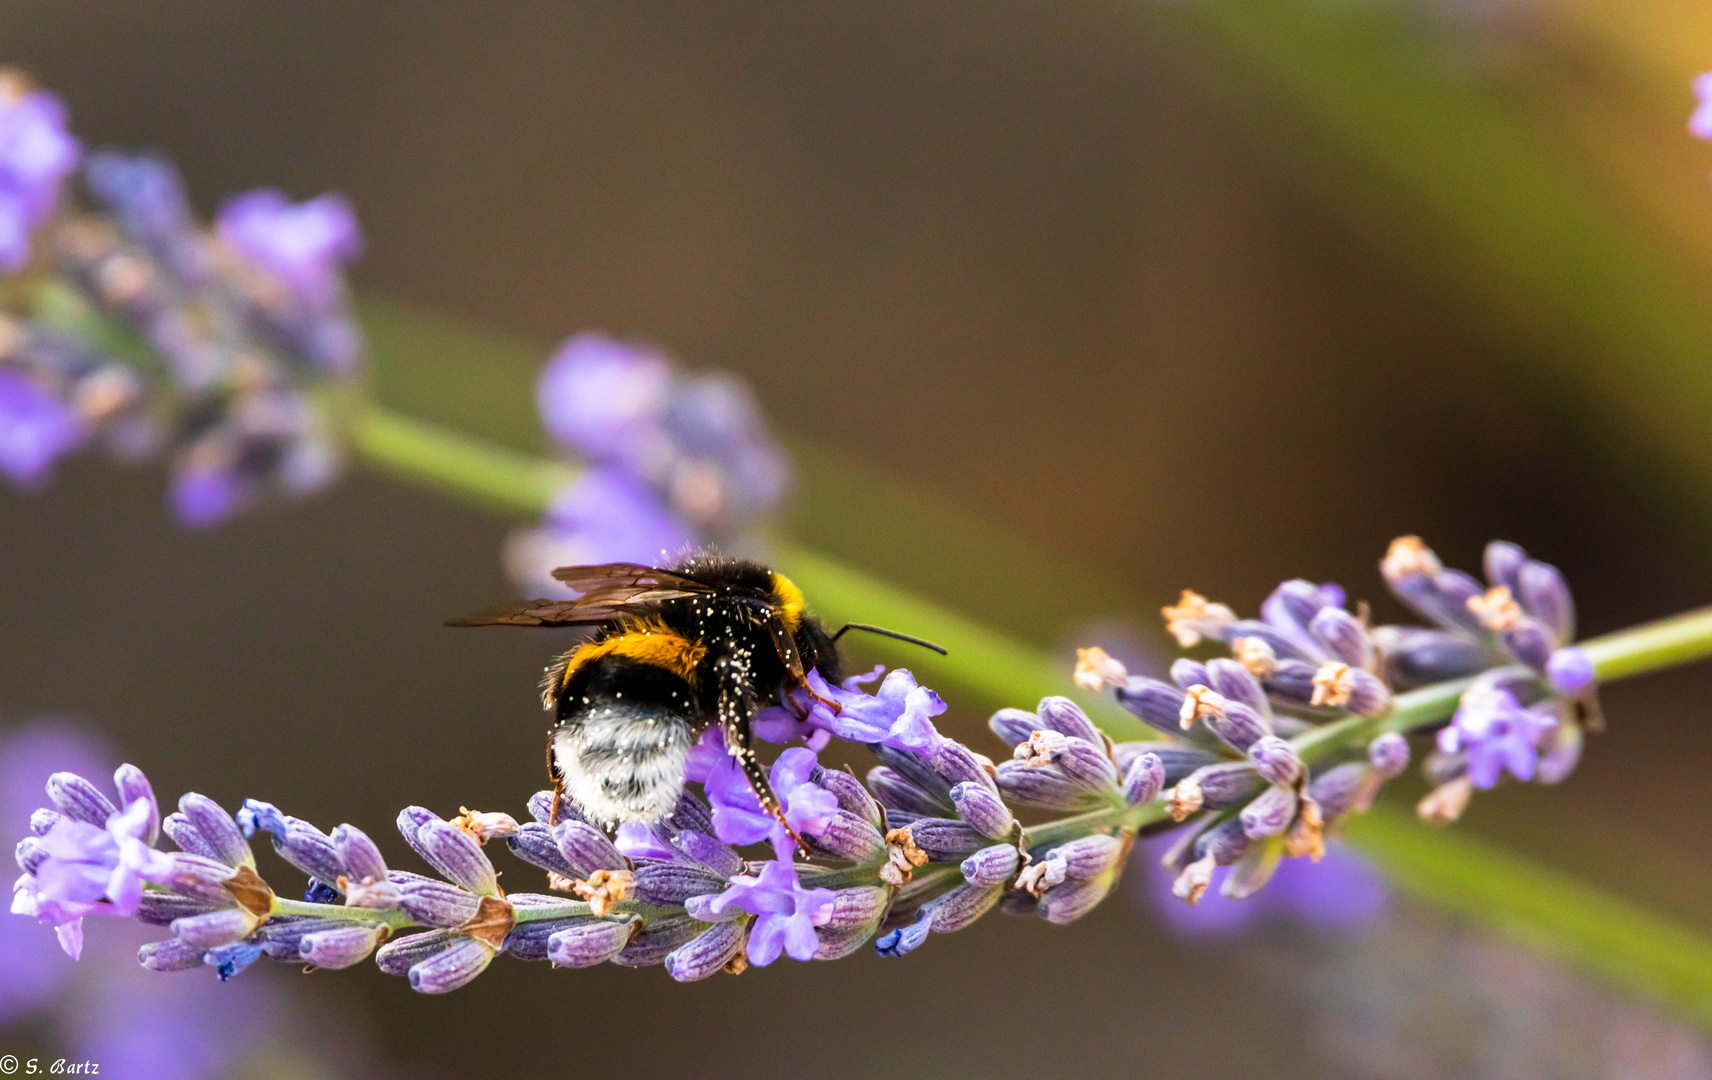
36, 154
36, 429
737, 815
1497, 734
146, 194
202, 498
1701, 122
605, 515
899, 715
785, 912
301, 244
604, 398
1341, 891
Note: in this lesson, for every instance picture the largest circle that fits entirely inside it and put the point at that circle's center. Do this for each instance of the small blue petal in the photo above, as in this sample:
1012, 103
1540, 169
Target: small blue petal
320, 892
903, 940
256, 814
228, 960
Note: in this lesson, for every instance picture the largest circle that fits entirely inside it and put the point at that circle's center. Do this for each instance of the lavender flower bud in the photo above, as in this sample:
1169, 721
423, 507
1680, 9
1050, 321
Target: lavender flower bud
1235, 683
214, 928
708, 953
218, 828
903, 940
849, 837
982, 808
1531, 642
956, 764
1279, 645
1013, 725
1186, 673
358, 854
42, 821
200, 878
1275, 760
1453, 589
913, 769
1270, 813
851, 795
169, 955
1388, 754
1086, 763
1293, 683
333, 949
309, 849
1570, 670
1417, 656
1544, 594
79, 800
709, 851
541, 806
1239, 726
1225, 842
991, 865
412, 818
1157, 704
1048, 788
451, 851
961, 906
1340, 789
30, 854
437, 903
587, 849
1144, 781
1503, 563
670, 884
282, 938
132, 785
897, 793
400, 954
455, 966
534, 844
1072, 900
157, 908
857, 906
1089, 856
656, 939
1064, 716
528, 940
1343, 636
1179, 761
945, 840
836, 944
187, 836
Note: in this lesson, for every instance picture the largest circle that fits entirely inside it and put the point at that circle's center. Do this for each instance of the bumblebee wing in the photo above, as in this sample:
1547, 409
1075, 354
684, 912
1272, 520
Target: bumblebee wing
620, 586
538, 613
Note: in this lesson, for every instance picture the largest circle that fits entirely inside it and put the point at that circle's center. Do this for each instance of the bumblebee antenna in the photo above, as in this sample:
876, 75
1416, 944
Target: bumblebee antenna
883, 632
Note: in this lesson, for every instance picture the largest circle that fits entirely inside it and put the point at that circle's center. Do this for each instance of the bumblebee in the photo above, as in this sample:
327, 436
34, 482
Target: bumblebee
674, 651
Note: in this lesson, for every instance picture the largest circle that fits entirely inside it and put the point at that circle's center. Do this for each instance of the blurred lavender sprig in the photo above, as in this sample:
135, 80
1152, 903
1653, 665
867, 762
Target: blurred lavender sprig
128, 326
674, 461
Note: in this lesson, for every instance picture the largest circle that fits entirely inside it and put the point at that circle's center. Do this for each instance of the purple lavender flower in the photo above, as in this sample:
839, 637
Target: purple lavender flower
92, 870
1496, 734
737, 814
604, 398
301, 244
36, 429
36, 154
605, 515
785, 912
899, 715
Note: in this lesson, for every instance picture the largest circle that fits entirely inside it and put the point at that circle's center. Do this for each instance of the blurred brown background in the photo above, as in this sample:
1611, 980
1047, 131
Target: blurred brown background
1005, 253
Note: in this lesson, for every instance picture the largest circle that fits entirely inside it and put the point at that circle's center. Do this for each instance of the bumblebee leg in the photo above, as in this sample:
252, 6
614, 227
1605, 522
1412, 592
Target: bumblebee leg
736, 709
558, 783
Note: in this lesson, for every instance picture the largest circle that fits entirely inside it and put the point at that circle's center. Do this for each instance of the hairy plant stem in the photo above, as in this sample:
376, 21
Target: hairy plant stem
392, 918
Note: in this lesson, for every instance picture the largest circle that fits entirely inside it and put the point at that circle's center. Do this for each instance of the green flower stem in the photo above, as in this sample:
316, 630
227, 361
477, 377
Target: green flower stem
576, 909
493, 476
391, 918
